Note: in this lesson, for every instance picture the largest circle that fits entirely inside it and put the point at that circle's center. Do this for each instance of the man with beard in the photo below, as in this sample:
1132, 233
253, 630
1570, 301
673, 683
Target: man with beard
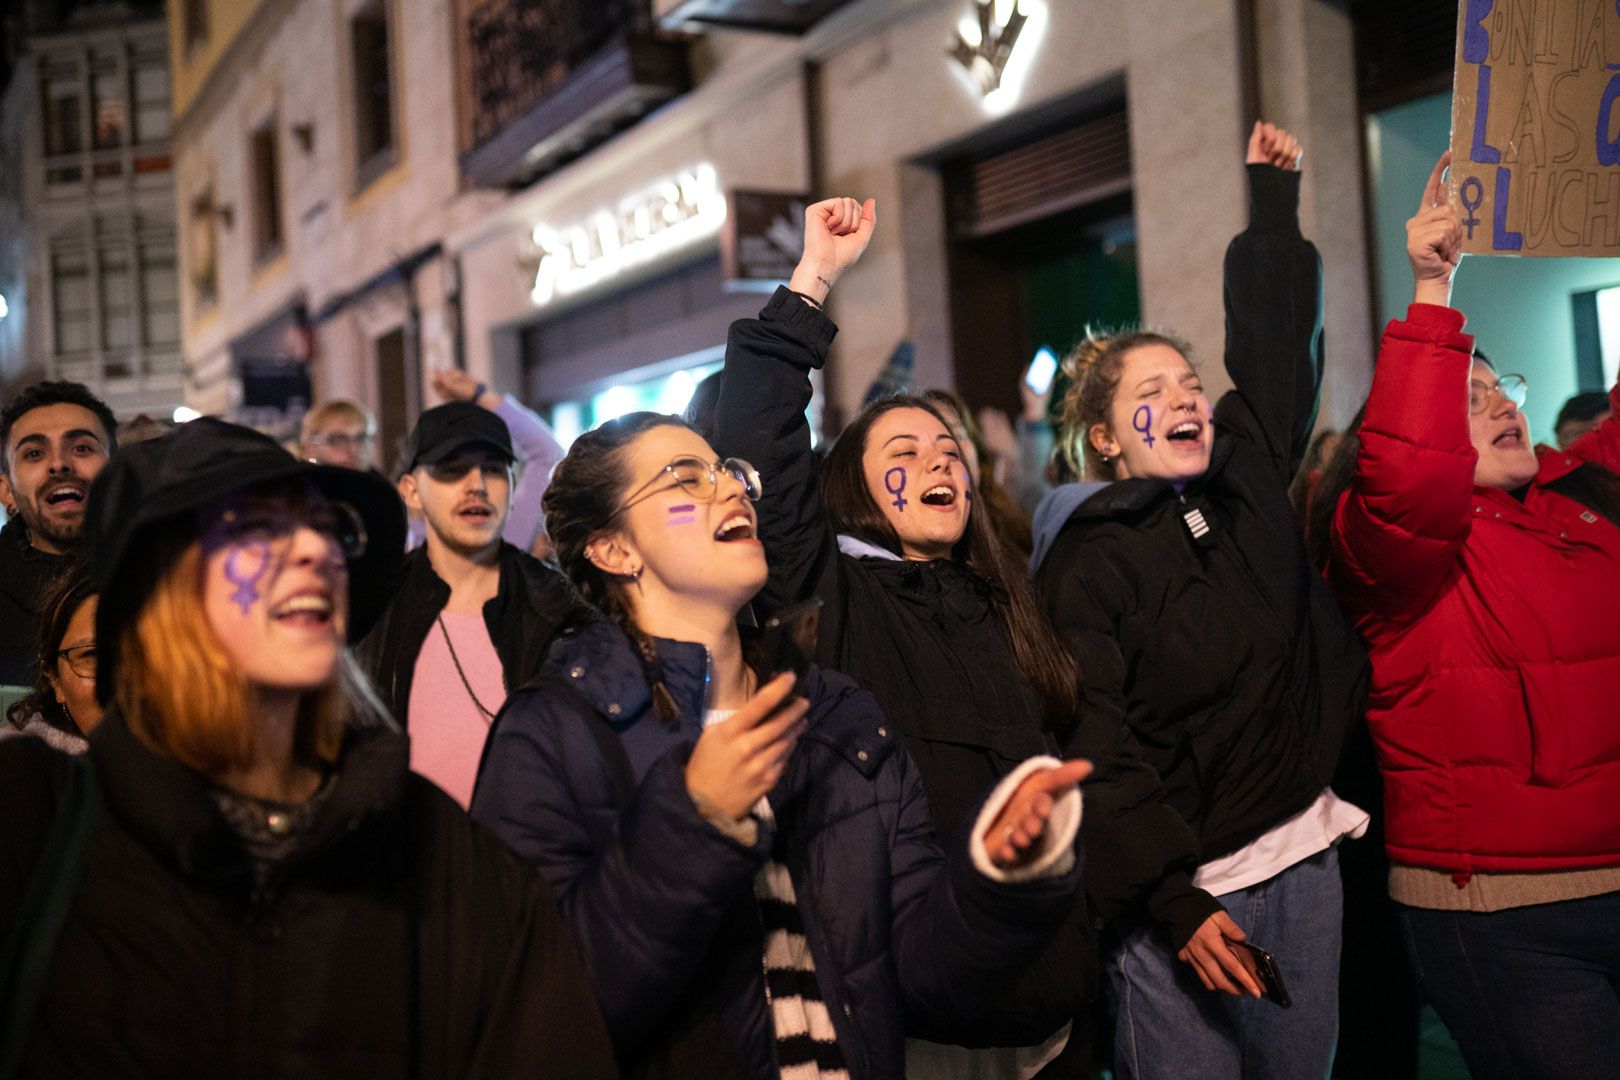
474, 616
54, 439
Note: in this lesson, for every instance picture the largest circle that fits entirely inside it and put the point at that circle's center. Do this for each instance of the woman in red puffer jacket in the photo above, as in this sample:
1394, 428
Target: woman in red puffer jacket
1485, 576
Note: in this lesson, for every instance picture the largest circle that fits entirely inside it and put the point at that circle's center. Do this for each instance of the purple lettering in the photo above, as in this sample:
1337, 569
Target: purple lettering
1504, 239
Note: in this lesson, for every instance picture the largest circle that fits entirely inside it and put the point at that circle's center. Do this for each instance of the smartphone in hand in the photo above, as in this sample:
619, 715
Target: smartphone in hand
1042, 370
790, 641
1264, 968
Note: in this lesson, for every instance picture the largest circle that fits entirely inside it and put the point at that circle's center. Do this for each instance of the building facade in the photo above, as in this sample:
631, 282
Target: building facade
88, 261
1039, 167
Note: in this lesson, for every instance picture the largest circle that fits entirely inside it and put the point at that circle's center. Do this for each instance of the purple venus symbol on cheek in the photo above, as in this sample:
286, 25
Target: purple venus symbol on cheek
1143, 423
247, 585
894, 482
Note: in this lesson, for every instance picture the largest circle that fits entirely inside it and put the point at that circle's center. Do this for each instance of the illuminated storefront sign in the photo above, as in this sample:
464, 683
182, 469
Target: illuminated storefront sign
670, 215
994, 45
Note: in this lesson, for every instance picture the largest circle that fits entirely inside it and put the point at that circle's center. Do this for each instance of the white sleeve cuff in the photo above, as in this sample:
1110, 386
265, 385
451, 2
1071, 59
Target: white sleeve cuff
1054, 855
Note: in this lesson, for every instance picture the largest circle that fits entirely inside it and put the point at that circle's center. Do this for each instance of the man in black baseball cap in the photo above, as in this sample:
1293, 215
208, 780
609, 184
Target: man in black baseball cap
474, 616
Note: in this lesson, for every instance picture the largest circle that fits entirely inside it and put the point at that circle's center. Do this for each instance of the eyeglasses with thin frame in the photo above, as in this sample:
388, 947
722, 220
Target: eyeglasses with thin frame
81, 659
341, 441
1512, 388
699, 479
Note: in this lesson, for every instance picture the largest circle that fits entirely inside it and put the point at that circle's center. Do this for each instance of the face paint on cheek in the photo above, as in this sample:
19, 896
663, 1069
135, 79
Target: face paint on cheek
247, 584
1143, 423
681, 515
894, 482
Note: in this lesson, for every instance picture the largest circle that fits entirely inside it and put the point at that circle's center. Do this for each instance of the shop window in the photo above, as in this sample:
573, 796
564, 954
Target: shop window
110, 119
160, 291
194, 21
152, 119
63, 106
71, 301
1597, 337
373, 93
266, 192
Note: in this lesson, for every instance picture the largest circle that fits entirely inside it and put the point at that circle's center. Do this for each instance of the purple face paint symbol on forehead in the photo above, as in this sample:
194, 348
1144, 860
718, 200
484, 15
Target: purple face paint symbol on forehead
681, 515
894, 482
247, 585
1143, 423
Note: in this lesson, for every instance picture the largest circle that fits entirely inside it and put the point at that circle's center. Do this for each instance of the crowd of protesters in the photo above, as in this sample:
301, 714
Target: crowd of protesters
967, 749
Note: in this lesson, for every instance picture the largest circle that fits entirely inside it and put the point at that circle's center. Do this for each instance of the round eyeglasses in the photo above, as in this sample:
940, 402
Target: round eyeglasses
700, 479
1512, 388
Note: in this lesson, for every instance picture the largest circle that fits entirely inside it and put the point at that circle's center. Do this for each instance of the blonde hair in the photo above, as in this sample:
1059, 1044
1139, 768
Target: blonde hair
1094, 368
180, 693
337, 409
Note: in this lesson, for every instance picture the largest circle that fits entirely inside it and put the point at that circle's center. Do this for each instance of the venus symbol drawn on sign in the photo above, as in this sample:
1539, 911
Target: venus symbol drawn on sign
1473, 197
1143, 423
894, 481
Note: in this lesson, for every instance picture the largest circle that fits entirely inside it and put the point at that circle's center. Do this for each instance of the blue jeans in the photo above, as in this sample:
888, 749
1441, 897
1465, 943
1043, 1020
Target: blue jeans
1171, 1028
1531, 992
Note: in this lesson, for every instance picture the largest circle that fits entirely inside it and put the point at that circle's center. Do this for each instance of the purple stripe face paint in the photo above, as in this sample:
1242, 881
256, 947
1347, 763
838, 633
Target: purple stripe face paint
894, 482
681, 515
247, 584
1143, 423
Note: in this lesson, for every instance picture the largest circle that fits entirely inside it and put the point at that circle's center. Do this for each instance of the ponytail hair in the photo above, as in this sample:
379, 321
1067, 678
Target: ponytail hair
1043, 662
582, 502
1094, 368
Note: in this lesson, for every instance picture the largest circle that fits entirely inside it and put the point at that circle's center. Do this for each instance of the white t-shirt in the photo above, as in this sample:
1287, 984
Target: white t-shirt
1314, 829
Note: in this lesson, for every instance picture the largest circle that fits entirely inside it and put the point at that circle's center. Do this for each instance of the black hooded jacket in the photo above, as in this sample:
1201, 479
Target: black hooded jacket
533, 603
397, 939
1226, 654
927, 640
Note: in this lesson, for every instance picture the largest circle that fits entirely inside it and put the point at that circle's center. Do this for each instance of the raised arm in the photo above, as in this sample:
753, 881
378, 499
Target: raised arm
1273, 310
1397, 533
759, 415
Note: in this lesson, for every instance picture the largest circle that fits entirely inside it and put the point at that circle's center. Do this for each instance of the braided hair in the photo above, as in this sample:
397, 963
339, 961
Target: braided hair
582, 502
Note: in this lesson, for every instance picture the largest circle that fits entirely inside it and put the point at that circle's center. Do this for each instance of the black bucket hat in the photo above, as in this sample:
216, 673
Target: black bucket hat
165, 481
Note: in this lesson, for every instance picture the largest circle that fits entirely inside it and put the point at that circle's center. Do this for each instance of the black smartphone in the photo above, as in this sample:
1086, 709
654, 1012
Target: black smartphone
1266, 973
790, 641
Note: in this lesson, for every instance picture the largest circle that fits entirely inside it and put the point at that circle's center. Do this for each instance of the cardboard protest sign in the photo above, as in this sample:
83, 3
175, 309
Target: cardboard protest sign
1535, 127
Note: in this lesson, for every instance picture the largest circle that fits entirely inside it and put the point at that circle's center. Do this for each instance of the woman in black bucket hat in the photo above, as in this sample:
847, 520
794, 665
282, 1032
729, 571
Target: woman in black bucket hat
242, 878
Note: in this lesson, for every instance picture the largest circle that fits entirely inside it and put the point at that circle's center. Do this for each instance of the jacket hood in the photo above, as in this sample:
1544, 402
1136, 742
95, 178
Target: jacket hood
1053, 513
160, 484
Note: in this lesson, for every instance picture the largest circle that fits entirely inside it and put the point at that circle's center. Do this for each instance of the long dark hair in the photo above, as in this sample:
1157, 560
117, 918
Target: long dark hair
62, 598
1044, 663
1010, 521
582, 501
1338, 472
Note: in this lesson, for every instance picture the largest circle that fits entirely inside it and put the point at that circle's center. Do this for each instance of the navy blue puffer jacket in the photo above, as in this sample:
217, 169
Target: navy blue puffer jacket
906, 940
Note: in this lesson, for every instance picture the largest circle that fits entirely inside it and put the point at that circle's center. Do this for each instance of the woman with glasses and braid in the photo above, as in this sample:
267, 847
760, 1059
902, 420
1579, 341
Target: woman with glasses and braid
1485, 576
738, 837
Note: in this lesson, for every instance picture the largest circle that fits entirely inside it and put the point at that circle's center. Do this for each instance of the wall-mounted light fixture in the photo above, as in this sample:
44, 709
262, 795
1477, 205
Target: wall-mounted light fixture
993, 45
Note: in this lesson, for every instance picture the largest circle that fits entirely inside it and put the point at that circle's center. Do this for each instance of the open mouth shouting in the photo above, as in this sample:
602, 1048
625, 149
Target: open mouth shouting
476, 512
941, 496
64, 496
1187, 436
737, 527
1510, 439
308, 609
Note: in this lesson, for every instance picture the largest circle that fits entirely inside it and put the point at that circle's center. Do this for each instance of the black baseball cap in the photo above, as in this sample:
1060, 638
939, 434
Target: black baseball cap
445, 429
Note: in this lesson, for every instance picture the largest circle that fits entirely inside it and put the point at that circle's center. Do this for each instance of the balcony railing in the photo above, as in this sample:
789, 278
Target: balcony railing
549, 79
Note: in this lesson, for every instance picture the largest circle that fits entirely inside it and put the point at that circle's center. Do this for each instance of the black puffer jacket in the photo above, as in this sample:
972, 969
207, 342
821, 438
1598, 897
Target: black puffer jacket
399, 939
533, 603
1237, 675
926, 639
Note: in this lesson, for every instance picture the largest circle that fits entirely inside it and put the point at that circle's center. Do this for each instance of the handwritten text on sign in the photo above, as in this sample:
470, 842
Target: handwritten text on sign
1535, 127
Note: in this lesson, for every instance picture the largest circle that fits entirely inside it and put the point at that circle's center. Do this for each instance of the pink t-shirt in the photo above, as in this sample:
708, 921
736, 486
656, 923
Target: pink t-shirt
447, 730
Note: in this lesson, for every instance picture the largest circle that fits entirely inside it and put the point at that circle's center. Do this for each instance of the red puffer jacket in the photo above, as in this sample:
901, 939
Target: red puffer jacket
1494, 626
